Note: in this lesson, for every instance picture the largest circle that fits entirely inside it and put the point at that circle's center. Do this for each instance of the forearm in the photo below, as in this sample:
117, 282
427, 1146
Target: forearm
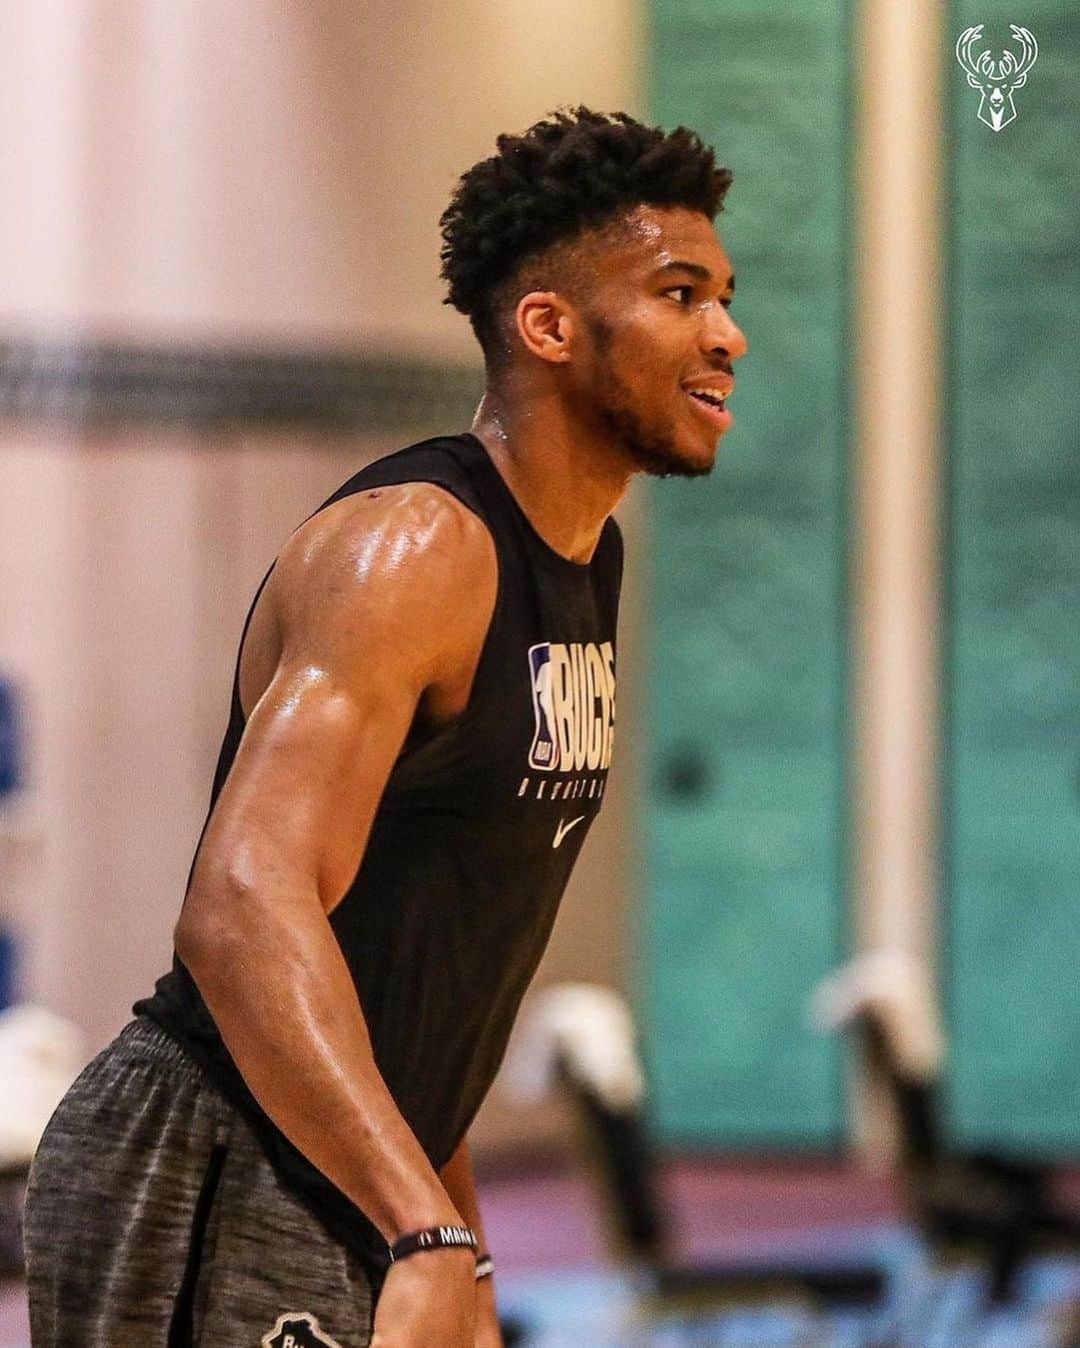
460, 1183
281, 995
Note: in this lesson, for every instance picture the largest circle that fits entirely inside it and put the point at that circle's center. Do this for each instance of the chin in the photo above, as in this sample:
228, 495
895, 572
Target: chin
667, 459
659, 450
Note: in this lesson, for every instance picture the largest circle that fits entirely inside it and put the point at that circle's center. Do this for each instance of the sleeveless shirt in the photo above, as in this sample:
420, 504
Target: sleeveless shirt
472, 844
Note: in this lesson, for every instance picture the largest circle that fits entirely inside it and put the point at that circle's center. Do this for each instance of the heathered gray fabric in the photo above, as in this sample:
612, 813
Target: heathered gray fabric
121, 1252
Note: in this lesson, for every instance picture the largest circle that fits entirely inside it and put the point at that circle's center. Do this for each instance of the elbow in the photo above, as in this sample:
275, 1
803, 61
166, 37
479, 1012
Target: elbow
211, 921
192, 937
236, 909
189, 937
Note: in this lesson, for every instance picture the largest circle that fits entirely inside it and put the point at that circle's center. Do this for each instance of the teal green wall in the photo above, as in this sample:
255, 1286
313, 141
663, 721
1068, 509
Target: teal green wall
746, 754
1013, 785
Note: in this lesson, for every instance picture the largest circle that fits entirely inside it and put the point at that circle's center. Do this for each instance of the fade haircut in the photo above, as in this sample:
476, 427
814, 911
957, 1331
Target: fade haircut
577, 171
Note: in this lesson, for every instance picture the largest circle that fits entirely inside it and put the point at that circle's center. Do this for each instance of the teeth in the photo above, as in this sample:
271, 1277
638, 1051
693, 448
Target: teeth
714, 399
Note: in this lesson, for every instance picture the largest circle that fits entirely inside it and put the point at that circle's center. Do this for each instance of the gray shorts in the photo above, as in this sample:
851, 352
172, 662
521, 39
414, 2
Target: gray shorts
154, 1220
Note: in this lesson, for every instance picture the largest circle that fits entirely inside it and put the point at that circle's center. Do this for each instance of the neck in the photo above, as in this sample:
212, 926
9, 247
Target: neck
565, 477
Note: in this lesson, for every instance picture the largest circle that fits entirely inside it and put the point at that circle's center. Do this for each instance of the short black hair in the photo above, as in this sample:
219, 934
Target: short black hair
574, 171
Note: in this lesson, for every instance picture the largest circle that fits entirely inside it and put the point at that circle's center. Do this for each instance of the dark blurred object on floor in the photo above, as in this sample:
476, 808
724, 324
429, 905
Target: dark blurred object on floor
998, 1208
581, 1038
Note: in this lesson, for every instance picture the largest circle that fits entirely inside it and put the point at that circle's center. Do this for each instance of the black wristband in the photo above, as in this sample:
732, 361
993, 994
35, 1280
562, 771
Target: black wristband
485, 1266
434, 1238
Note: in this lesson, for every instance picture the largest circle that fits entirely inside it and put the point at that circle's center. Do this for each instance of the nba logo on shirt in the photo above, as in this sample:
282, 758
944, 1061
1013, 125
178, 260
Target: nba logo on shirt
544, 749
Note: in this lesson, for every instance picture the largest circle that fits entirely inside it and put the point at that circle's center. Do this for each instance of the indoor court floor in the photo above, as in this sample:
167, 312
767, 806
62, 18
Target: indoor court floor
805, 1214
558, 1285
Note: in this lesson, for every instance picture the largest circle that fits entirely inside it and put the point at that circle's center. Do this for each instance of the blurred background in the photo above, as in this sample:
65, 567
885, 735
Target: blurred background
849, 660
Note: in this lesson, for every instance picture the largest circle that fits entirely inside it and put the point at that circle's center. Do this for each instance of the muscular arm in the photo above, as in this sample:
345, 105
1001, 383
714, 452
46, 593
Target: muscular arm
379, 604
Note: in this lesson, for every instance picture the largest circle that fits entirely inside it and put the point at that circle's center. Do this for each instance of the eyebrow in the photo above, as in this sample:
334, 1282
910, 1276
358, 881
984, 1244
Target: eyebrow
696, 270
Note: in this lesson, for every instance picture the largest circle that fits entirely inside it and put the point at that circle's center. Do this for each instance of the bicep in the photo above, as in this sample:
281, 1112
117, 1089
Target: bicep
373, 605
304, 786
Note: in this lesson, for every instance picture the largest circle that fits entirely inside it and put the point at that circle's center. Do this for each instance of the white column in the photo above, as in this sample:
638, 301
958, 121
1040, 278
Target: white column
897, 572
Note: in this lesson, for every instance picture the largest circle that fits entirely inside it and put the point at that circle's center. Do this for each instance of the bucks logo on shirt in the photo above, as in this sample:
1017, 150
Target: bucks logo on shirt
573, 689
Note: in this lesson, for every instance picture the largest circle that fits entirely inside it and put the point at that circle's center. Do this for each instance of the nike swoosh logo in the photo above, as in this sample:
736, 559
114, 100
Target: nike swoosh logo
564, 829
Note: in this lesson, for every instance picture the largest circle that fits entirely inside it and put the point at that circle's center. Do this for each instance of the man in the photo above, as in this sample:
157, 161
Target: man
275, 1151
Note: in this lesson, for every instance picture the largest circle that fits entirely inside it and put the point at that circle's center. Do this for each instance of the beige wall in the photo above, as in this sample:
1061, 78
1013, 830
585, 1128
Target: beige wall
264, 168
258, 171
128, 559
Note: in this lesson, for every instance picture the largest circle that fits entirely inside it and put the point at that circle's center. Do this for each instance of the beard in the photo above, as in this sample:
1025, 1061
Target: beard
650, 447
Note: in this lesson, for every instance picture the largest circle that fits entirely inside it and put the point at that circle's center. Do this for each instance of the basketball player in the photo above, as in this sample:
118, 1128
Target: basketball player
274, 1151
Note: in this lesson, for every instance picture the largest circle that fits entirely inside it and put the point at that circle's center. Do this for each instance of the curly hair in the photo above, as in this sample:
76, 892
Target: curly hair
575, 171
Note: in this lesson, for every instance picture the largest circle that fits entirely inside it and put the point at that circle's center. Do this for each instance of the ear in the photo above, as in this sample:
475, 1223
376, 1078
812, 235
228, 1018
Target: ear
545, 323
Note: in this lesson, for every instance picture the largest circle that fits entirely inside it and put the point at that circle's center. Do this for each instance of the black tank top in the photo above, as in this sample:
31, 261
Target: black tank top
473, 842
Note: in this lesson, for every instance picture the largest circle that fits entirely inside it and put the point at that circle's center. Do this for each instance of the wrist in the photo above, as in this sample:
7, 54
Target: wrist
438, 1211
432, 1239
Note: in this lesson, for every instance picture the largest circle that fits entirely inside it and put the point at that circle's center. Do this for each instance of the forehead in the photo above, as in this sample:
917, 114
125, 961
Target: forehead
650, 237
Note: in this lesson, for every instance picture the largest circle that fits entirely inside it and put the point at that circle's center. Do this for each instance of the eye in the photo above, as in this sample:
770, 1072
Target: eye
683, 294
727, 301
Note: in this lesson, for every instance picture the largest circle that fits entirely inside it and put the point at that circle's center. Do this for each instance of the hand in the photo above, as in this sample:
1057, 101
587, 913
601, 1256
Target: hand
488, 1333
428, 1299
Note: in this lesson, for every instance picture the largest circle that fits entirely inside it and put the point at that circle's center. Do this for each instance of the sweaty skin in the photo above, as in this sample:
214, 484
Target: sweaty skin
376, 612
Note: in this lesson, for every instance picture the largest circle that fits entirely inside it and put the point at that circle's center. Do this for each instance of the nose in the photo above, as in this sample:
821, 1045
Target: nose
722, 336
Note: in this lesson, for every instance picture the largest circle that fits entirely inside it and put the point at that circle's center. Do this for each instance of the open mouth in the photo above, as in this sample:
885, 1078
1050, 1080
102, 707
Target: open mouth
713, 405
709, 399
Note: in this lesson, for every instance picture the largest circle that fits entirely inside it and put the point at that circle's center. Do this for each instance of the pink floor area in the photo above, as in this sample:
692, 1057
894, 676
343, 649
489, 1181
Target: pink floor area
14, 1326
715, 1209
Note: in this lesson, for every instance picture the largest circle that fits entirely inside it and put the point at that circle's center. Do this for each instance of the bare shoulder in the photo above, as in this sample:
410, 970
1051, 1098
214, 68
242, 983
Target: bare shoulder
403, 528
407, 569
